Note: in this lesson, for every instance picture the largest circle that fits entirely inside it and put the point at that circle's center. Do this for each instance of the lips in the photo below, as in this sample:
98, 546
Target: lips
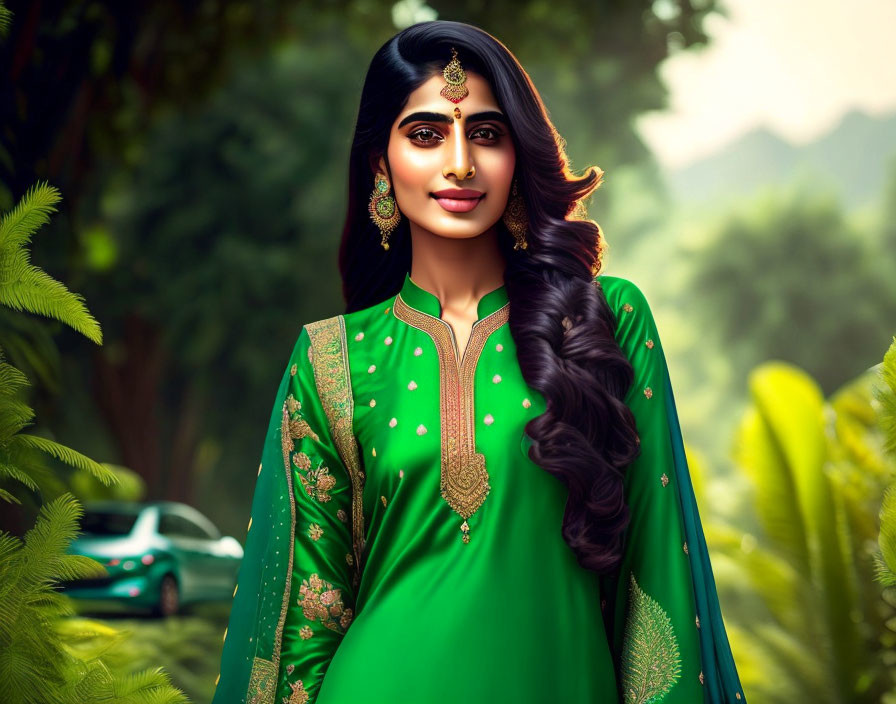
458, 194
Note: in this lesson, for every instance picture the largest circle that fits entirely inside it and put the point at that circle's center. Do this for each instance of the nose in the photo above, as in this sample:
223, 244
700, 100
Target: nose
460, 163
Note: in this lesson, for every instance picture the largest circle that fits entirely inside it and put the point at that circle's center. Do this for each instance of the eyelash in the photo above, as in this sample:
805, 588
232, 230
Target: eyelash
422, 130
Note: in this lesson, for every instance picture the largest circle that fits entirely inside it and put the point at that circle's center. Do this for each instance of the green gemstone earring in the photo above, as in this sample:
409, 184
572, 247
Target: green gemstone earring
383, 210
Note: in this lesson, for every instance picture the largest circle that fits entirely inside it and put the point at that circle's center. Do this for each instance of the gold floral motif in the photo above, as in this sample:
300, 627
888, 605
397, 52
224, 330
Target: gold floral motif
648, 392
293, 369
685, 548
317, 483
651, 661
697, 621
349, 559
383, 499
305, 632
333, 381
464, 478
701, 678
664, 479
649, 344
320, 601
298, 694
627, 308
341, 515
315, 532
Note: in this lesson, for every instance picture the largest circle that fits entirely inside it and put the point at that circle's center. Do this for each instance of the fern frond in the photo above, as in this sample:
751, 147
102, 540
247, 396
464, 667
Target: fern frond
46, 542
24, 286
11, 379
10, 471
5, 20
14, 415
10, 498
29, 214
71, 457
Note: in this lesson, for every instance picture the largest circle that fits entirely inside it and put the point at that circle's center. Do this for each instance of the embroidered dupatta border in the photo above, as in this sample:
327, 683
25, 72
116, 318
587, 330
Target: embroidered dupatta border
329, 359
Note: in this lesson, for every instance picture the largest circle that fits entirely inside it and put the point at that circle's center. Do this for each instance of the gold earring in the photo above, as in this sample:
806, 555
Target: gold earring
516, 219
383, 210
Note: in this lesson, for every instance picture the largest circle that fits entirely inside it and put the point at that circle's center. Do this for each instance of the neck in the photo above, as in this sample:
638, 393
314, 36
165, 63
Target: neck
458, 271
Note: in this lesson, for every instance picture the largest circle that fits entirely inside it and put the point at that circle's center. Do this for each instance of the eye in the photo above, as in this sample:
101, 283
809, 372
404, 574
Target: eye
415, 136
490, 131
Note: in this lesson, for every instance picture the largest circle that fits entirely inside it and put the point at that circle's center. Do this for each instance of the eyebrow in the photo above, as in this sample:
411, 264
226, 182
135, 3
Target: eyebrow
441, 117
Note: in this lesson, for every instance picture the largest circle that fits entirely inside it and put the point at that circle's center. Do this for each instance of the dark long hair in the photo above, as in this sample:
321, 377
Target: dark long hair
560, 321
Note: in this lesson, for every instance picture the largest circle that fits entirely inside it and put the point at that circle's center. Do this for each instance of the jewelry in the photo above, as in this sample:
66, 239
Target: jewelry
456, 90
516, 219
383, 210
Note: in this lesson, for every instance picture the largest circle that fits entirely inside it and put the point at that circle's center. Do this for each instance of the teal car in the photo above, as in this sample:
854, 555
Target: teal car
159, 555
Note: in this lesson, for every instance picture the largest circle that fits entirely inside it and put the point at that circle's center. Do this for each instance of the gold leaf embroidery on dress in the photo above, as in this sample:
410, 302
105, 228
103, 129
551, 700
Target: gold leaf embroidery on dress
333, 380
321, 601
464, 478
316, 481
651, 662
298, 694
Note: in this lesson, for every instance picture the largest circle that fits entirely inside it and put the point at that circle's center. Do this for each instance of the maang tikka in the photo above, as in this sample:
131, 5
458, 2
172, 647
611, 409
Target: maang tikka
454, 74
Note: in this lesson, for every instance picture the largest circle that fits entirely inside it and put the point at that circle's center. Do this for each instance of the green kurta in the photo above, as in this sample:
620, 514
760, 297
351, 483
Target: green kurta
423, 546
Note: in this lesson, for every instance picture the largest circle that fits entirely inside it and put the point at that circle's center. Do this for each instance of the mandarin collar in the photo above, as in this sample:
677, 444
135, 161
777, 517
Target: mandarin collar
422, 300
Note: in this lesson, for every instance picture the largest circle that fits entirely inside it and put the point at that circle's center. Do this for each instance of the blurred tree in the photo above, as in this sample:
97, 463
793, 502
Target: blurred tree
785, 276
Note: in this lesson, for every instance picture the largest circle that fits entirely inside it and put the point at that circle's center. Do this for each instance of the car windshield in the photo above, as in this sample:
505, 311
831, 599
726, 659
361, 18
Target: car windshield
108, 522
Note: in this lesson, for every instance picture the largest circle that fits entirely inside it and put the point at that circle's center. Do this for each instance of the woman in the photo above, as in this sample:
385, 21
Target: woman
473, 486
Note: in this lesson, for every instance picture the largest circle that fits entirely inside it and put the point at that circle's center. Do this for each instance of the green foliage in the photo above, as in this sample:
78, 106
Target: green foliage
886, 397
24, 286
817, 469
39, 658
40, 662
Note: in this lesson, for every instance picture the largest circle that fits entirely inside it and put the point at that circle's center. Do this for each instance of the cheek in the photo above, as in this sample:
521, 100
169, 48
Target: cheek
410, 166
500, 165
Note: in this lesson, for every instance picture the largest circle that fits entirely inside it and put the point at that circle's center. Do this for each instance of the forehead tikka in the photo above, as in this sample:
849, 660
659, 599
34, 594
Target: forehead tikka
456, 89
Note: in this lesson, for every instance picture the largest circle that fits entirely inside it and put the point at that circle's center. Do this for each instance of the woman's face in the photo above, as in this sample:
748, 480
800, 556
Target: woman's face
466, 145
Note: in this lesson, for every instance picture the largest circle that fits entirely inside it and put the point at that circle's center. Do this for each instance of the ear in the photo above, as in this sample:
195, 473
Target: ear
378, 164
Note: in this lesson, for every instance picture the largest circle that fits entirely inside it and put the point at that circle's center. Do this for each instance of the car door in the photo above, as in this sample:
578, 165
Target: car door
217, 575
187, 550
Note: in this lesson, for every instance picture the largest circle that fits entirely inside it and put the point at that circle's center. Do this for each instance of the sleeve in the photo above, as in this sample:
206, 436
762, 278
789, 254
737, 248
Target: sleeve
294, 596
666, 629
322, 592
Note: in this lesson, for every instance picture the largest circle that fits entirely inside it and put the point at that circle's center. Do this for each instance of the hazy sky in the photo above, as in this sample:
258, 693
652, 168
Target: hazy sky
794, 66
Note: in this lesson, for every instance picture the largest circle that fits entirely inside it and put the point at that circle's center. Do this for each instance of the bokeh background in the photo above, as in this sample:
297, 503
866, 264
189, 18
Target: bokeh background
200, 150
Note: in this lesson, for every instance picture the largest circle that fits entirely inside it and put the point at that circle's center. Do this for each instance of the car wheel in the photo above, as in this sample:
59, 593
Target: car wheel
169, 597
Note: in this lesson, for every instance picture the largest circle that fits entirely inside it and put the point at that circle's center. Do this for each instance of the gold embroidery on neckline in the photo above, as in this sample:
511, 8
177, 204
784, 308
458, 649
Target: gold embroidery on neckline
464, 478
